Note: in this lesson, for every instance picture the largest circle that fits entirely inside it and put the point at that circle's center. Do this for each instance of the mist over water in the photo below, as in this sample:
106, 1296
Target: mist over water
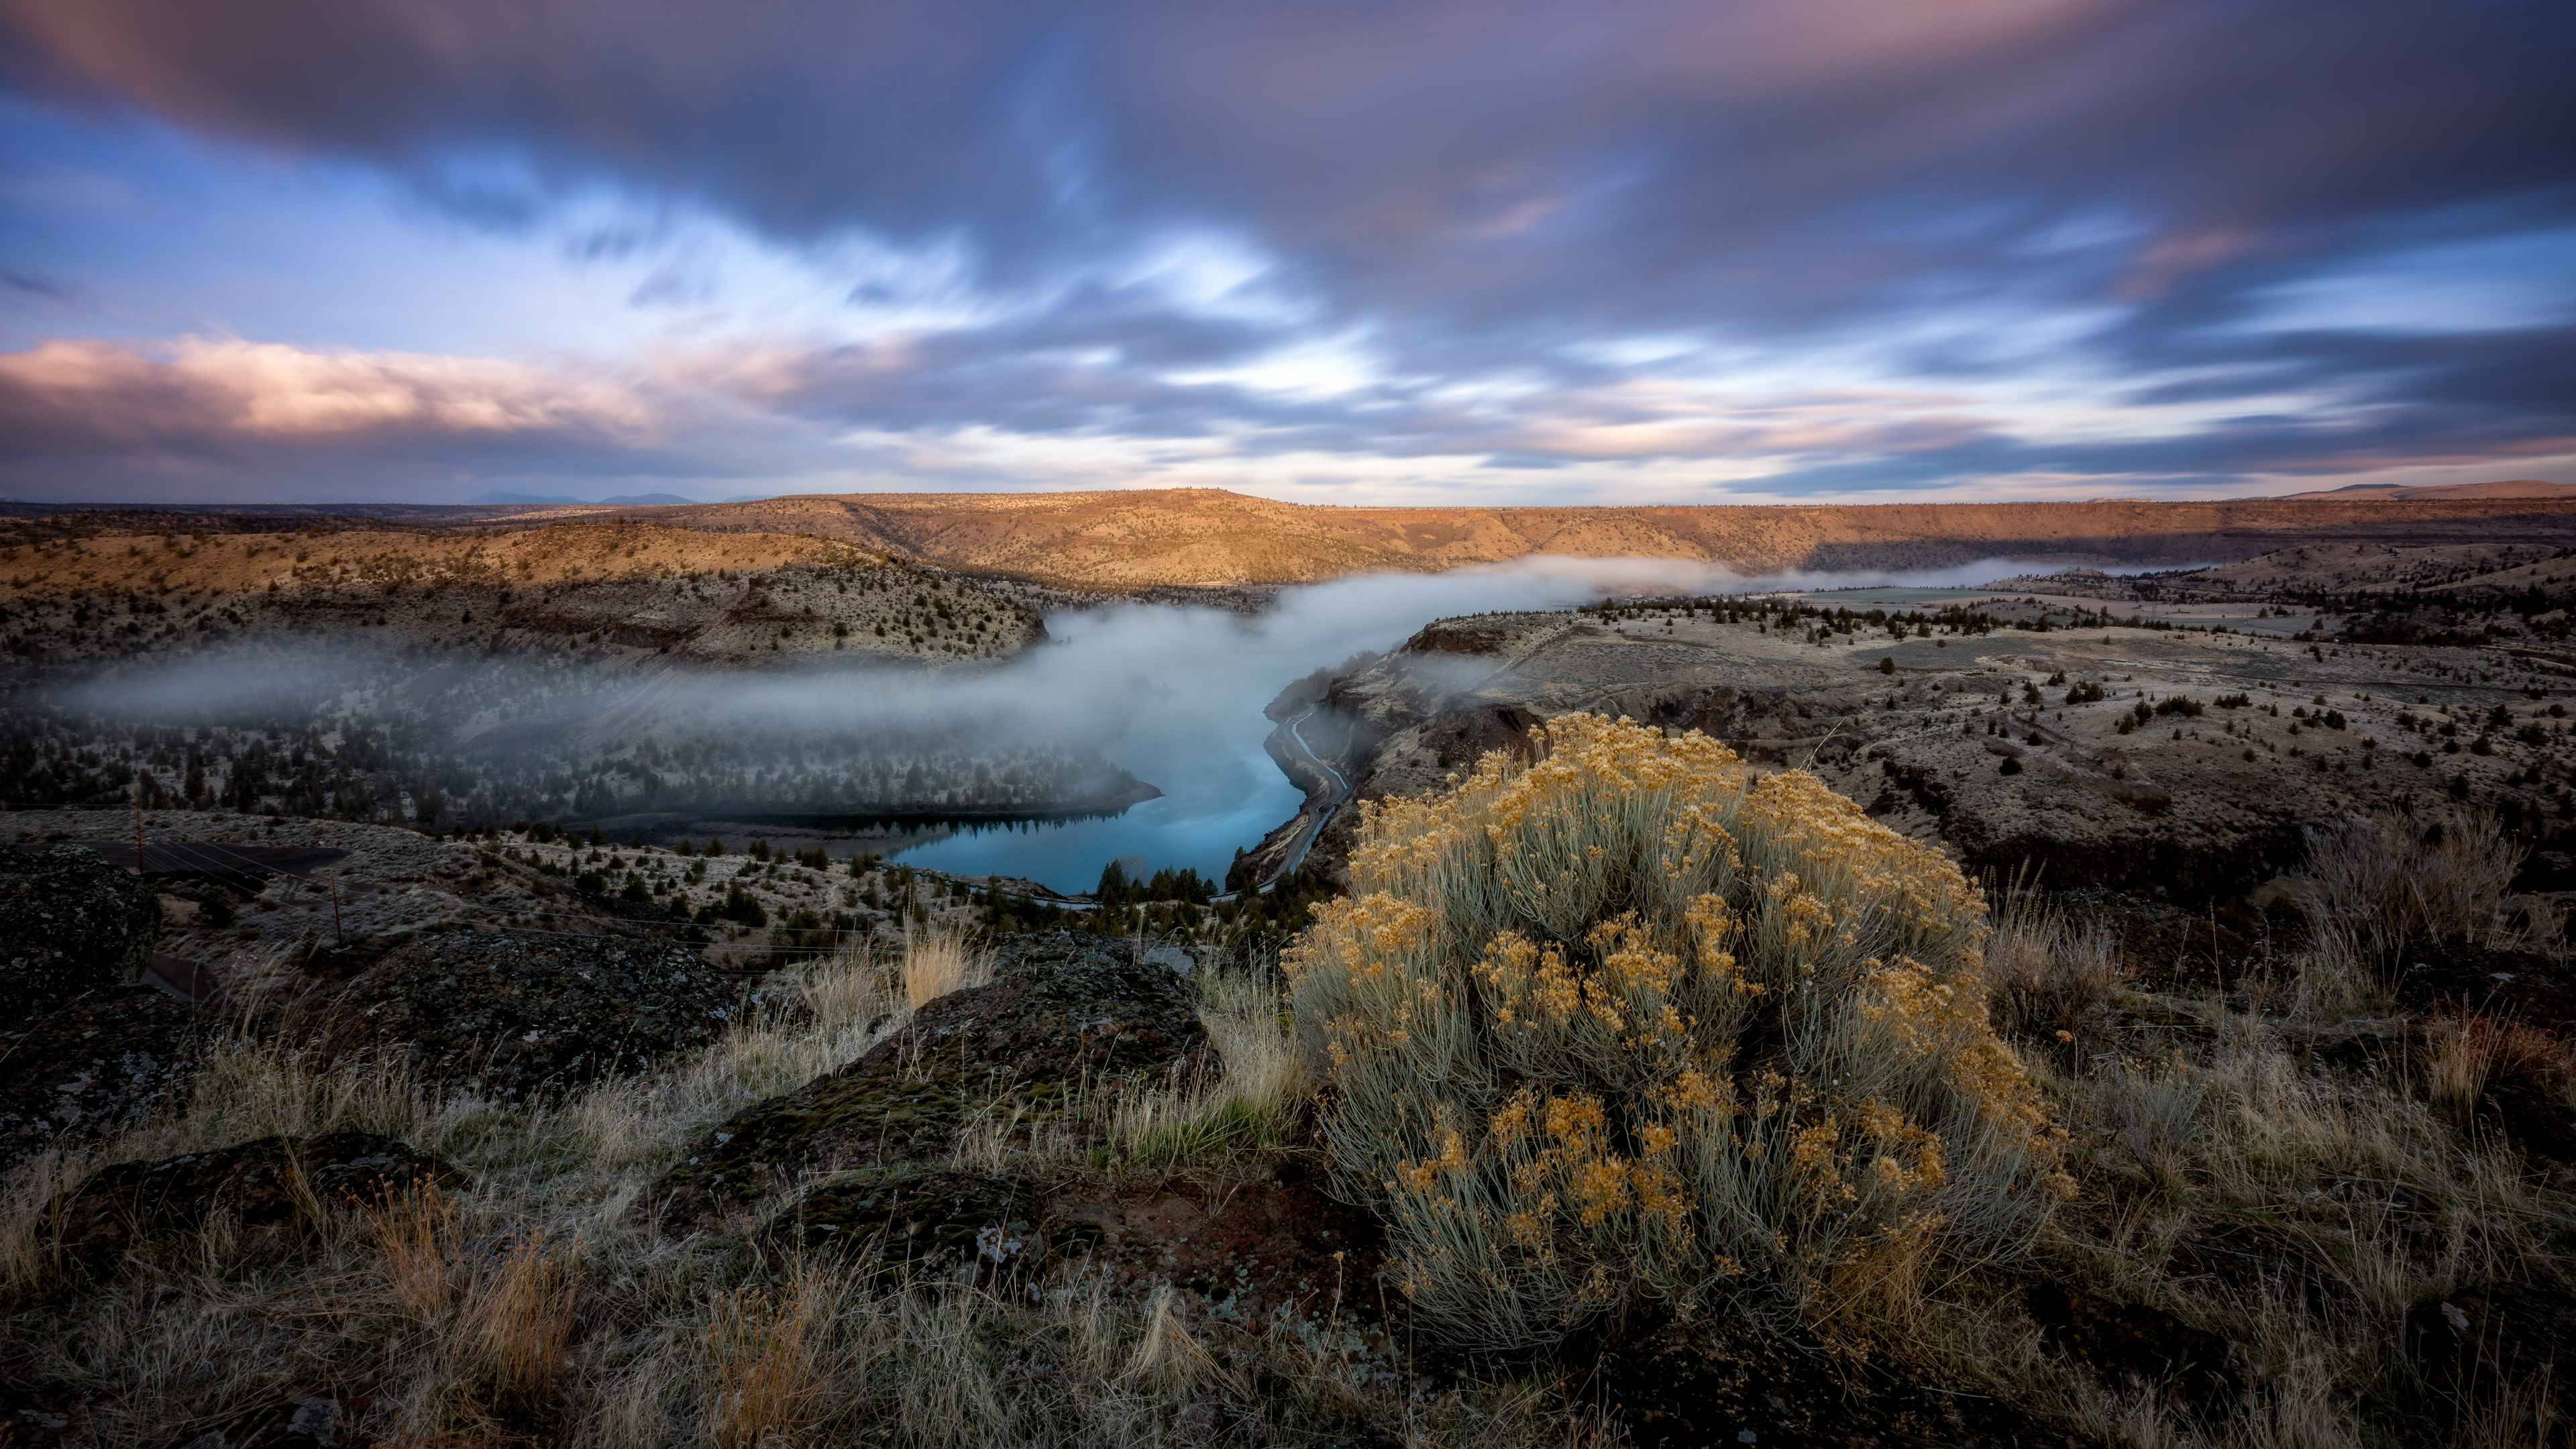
1174, 696
1178, 694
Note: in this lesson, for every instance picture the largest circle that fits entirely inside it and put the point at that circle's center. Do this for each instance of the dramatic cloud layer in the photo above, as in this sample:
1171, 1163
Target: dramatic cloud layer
1683, 250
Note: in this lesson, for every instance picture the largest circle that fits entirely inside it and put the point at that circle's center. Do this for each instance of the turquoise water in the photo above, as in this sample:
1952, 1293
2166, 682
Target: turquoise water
1176, 696
1221, 812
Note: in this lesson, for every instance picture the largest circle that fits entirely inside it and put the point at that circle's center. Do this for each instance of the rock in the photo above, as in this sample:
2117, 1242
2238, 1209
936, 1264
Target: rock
2120, 1342
82, 1071
1724, 1380
69, 923
2479, 1342
1247, 1246
1062, 1008
317, 1422
266, 1182
928, 1220
522, 1016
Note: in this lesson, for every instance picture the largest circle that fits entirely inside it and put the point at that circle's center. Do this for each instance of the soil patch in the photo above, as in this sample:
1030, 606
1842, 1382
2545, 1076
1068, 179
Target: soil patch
1247, 1247
922, 1220
1722, 1386
2119, 1341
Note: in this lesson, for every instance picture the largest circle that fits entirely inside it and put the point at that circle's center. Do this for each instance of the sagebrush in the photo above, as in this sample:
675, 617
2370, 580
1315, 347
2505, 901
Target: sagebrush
1632, 1024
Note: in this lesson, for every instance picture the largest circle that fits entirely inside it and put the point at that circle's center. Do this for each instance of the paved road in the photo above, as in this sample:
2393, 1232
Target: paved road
1341, 795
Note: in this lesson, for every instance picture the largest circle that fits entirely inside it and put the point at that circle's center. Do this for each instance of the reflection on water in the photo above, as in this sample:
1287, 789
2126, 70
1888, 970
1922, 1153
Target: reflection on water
1200, 833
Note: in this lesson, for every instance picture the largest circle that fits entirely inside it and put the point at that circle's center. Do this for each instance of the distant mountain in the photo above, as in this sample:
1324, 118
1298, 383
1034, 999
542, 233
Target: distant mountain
556, 500
518, 498
2502, 488
1141, 538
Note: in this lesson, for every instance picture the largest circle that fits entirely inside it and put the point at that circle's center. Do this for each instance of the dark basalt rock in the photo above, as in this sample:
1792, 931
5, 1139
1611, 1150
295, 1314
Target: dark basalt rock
1061, 1008
2475, 1343
1461, 737
82, 1071
1730, 1383
317, 1422
266, 1182
519, 1017
2123, 1341
69, 923
924, 1220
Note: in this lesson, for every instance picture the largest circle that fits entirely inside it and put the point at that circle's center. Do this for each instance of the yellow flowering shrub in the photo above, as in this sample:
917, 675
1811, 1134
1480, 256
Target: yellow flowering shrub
1631, 1023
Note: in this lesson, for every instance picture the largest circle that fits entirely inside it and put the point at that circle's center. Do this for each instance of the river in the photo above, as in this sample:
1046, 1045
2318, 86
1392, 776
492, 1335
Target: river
1176, 695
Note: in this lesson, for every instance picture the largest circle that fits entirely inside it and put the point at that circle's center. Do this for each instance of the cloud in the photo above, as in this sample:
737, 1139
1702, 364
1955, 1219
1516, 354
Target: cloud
1501, 167
36, 284
209, 395
1797, 245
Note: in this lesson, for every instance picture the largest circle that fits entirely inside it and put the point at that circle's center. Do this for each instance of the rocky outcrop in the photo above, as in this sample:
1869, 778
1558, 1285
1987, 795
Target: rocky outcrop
69, 923
79, 1072
267, 1182
931, 1221
522, 1016
1062, 1010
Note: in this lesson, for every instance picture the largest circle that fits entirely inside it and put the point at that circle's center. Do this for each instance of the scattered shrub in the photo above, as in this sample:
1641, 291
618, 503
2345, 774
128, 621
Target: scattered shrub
1629, 1026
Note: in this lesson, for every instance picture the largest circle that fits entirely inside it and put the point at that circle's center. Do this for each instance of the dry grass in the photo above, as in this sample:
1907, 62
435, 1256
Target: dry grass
939, 962
1166, 1355
419, 1243
2052, 972
2381, 883
2233, 1168
546, 1303
773, 1362
2461, 1058
846, 990
2244, 1167
1257, 1096
519, 1319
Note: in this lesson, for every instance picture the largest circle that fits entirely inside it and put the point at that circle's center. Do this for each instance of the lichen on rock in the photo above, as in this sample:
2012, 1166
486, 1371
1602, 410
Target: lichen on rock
84, 1070
69, 923
522, 1016
266, 1182
1062, 1008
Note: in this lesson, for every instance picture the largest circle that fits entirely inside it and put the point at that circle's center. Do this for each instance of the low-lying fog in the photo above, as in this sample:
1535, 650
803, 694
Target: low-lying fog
1174, 695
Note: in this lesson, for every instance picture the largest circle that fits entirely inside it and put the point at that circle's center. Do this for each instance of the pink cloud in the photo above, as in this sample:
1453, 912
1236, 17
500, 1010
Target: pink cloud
68, 396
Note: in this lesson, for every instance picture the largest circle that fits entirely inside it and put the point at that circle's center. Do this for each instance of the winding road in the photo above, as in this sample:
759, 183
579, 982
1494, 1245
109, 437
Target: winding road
1341, 796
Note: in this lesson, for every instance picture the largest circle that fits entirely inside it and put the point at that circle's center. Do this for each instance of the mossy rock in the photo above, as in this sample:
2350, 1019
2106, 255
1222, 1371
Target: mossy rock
266, 1182
1062, 1009
929, 1221
69, 923
520, 1017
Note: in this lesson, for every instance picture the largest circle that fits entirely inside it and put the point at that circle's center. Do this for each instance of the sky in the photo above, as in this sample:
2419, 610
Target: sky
1401, 251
